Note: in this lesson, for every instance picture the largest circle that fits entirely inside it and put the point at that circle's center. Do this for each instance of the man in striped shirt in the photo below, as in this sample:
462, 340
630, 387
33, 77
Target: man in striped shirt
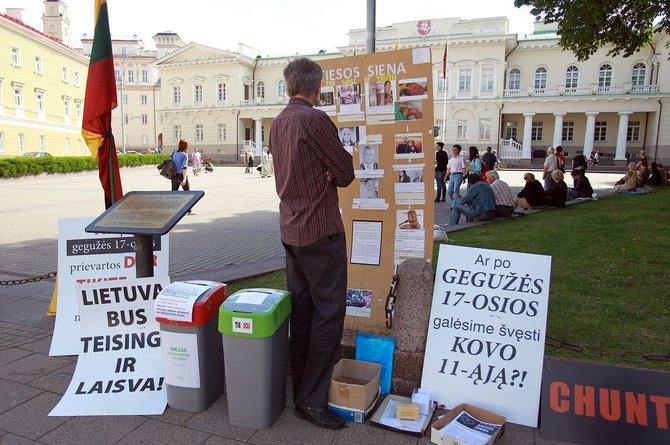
310, 164
504, 198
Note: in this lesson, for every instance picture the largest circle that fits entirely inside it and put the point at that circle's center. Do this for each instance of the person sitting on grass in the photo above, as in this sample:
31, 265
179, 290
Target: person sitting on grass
629, 181
478, 204
664, 173
642, 173
654, 175
532, 194
558, 191
504, 197
581, 186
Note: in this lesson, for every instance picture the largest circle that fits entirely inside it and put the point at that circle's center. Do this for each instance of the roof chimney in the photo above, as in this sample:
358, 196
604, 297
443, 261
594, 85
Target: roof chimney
16, 13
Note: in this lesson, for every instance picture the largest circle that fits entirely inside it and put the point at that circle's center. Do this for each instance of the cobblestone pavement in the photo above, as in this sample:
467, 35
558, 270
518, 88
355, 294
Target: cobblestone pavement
233, 234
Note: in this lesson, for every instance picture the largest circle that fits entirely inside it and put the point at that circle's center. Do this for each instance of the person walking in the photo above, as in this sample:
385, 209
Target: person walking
441, 160
180, 159
310, 165
196, 162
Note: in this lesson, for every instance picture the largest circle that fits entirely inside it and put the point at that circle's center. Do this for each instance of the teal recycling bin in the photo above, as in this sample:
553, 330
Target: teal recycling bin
254, 329
192, 352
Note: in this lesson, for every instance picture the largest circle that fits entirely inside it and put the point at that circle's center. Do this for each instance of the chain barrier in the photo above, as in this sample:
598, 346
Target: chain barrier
27, 280
596, 351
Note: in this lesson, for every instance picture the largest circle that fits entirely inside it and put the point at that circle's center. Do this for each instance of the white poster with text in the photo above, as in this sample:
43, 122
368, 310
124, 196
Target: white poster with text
92, 258
120, 366
486, 331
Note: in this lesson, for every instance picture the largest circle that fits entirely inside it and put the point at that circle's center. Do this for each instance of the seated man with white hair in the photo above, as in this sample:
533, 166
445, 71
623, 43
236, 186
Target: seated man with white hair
504, 197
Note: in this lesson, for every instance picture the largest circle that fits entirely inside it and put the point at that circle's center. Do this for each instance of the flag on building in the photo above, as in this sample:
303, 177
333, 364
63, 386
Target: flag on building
444, 62
99, 102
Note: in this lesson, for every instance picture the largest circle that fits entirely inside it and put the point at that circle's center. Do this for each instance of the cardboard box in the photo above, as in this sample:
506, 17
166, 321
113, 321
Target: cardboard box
354, 384
351, 414
438, 437
378, 419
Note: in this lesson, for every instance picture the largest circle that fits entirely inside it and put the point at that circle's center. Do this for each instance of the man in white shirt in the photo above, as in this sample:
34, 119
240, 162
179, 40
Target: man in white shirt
504, 198
551, 163
455, 168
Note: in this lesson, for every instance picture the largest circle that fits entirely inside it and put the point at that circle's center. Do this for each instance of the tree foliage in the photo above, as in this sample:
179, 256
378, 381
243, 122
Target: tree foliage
584, 26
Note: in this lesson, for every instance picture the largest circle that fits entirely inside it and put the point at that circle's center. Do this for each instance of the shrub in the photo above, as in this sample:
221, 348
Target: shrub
18, 167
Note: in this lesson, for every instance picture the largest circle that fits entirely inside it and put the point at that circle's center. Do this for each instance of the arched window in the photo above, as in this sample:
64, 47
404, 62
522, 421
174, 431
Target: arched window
605, 75
639, 74
260, 90
514, 79
540, 80
571, 77
281, 88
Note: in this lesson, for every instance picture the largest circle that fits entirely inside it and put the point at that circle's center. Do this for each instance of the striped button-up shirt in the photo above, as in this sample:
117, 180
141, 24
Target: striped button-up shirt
305, 146
503, 193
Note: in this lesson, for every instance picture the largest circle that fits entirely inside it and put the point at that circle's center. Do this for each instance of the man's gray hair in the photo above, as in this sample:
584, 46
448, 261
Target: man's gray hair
302, 76
492, 174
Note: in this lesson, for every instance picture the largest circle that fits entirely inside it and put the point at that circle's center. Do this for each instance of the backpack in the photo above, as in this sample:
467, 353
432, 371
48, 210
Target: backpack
168, 168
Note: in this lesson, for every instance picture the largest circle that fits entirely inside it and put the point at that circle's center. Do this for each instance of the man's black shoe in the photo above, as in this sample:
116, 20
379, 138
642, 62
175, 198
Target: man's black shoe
320, 417
437, 200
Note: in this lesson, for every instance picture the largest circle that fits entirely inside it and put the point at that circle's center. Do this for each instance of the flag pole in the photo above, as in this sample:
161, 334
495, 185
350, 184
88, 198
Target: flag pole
444, 92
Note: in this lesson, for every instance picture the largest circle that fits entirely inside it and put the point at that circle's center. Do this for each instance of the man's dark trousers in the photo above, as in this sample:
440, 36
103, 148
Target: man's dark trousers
317, 279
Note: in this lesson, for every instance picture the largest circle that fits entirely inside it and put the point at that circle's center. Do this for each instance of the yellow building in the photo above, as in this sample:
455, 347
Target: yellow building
42, 86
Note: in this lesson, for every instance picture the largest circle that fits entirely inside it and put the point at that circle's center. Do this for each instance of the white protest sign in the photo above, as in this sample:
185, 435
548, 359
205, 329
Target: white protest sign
486, 332
120, 365
92, 258
181, 359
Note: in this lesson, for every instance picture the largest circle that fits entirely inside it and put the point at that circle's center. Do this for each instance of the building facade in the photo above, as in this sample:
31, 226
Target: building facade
42, 87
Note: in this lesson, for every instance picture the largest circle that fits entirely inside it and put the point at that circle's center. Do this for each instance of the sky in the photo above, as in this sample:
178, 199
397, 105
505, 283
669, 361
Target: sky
272, 26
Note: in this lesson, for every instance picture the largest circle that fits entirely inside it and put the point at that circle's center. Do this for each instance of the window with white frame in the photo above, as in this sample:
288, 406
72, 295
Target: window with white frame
633, 131
145, 140
281, 88
441, 84
540, 79
117, 75
66, 107
176, 133
639, 74
461, 129
77, 80
43, 143
39, 99
38, 65
488, 79
605, 75
65, 75
600, 133
145, 118
537, 131
144, 75
221, 93
572, 77
18, 96
221, 132
510, 130
2, 141
22, 142
16, 56
199, 132
79, 150
464, 80
197, 95
78, 108
131, 75
260, 89
484, 129
514, 79
67, 145
438, 127
176, 96
144, 99
568, 134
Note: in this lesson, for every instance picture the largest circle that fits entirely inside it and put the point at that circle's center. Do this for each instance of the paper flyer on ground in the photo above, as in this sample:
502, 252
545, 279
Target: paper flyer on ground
120, 365
469, 429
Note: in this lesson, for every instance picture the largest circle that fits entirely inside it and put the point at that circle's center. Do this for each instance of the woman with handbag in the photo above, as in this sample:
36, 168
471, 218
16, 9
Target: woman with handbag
180, 159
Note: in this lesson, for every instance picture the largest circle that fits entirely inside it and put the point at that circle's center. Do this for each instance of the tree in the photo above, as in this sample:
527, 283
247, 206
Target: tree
584, 26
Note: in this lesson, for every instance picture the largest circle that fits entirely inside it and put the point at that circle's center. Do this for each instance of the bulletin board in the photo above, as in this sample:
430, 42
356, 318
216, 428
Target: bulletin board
382, 105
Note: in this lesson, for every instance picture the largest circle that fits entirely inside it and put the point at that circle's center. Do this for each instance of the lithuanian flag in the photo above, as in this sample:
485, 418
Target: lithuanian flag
99, 102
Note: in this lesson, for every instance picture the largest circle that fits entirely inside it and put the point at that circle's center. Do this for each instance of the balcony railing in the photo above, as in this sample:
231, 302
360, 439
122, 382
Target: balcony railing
577, 91
515, 93
644, 89
581, 91
487, 93
610, 90
264, 101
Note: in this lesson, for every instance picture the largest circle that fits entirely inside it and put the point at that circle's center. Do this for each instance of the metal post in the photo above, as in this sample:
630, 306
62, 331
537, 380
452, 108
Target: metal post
371, 27
123, 108
144, 256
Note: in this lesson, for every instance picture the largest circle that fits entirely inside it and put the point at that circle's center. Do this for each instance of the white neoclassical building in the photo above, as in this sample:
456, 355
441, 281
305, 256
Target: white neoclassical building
517, 94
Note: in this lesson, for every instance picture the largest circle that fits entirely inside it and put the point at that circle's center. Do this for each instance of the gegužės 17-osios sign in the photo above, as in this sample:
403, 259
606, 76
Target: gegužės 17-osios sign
486, 332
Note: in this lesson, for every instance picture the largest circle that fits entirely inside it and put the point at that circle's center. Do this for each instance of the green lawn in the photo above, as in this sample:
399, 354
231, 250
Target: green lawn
610, 274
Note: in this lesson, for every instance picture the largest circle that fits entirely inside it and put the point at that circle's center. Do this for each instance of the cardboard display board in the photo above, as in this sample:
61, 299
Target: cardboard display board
383, 107
486, 332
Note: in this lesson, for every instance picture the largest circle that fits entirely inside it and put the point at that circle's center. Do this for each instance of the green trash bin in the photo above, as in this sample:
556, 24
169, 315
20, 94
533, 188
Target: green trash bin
254, 328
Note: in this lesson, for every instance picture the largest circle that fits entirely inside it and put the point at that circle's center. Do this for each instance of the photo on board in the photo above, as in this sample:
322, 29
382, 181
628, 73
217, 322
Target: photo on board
412, 89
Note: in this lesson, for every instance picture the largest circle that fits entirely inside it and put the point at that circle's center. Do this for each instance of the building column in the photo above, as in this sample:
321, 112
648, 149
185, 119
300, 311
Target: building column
258, 124
590, 132
620, 154
558, 128
527, 130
